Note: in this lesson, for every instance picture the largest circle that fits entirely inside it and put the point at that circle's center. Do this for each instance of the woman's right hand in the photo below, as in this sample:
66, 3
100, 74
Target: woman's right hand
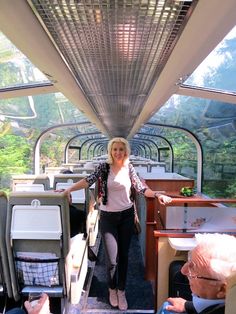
68, 194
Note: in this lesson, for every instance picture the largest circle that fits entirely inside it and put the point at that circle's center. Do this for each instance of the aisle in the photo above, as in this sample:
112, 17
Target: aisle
139, 292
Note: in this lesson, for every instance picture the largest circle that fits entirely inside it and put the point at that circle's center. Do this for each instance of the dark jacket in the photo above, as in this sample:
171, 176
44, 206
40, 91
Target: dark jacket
213, 309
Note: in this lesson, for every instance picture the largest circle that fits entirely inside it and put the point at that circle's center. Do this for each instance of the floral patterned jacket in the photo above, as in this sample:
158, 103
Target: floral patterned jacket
102, 172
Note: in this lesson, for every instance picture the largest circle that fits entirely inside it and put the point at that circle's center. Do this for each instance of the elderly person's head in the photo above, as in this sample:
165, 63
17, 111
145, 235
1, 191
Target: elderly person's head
122, 144
210, 263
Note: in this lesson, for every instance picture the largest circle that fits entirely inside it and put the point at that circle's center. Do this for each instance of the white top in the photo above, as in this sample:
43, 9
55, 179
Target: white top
118, 191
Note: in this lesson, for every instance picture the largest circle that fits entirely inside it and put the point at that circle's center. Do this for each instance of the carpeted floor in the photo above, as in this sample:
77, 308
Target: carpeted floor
138, 292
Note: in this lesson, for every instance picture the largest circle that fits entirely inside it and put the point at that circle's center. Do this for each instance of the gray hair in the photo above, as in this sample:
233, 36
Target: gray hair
118, 140
220, 251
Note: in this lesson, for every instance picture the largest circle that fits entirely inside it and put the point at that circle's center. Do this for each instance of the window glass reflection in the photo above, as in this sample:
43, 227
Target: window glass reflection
15, 68
214, 124
218, 70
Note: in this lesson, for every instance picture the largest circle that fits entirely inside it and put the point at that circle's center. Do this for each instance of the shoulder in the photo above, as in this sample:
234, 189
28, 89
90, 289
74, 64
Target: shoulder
214, 309
103, 165
104, 168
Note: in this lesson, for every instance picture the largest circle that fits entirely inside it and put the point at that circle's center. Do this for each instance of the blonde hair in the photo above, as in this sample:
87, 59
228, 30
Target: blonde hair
220, 251
127, 149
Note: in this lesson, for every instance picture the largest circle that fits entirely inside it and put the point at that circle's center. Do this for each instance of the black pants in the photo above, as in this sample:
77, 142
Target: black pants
117, 230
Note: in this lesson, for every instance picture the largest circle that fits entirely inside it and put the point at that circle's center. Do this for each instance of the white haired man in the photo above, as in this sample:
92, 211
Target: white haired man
209, 265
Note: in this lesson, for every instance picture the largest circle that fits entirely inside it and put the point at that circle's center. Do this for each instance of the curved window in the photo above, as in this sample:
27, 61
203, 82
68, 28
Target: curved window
15, 68
218, 70
214, 124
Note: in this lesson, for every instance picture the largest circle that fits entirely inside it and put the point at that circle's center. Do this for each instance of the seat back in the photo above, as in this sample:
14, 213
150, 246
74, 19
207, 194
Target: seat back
38, 238
84, 171
157, 169
71, 179
67, 178
27, 187
5, 281
141, 169
230, 302
40, 180
92, 226
78, 197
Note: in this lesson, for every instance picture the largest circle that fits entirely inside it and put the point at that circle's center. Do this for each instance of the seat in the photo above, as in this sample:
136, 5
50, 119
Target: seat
78, 197
51, 172
67, 178
92, 226
5, 281
39, 248
26, 187
141, 169
157, 169
230, 302
77, 267
39, 180
84, 171
71, 179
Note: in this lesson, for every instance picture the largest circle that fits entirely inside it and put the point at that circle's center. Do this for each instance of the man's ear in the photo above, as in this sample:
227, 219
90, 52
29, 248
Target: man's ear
221, 291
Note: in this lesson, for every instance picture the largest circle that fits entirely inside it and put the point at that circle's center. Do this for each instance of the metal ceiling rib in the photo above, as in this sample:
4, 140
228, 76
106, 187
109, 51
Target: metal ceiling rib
115, 49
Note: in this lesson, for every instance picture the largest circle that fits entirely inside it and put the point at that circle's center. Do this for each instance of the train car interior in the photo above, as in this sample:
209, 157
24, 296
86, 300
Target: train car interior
75, 74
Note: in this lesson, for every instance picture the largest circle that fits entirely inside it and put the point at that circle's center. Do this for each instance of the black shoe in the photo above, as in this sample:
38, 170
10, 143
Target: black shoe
91, 255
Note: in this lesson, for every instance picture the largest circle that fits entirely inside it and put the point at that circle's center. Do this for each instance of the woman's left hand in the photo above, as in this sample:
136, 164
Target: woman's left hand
163, 199
176, 305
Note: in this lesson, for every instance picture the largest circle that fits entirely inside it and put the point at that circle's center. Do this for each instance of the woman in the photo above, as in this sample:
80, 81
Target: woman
117, 213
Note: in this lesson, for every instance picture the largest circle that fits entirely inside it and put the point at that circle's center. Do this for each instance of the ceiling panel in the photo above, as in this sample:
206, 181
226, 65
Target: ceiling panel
115, 49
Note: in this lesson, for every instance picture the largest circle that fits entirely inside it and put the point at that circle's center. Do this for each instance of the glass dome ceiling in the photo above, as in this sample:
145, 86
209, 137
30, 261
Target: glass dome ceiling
218, 70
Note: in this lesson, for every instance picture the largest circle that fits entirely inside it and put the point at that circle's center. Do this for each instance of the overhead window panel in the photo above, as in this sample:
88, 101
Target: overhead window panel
218, 70
15, 69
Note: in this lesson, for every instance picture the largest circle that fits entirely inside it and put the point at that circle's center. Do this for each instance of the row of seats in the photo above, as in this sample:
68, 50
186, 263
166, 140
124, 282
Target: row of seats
145, 169
84, 199
42, 182
36, 250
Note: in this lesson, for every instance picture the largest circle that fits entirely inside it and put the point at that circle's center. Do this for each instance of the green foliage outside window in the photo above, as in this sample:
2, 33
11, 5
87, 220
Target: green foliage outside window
15, 156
